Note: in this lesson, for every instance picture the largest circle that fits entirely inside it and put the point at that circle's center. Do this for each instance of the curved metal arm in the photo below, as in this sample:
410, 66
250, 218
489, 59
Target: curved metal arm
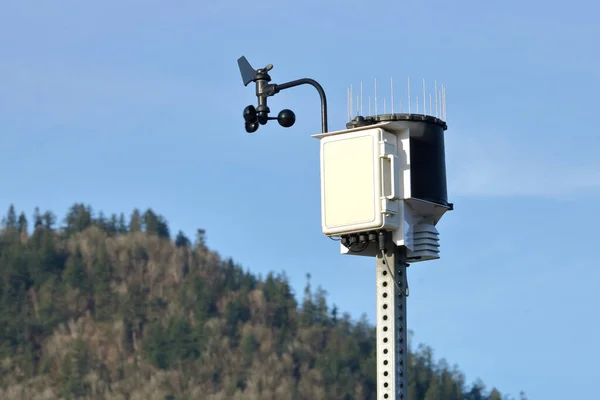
316, 85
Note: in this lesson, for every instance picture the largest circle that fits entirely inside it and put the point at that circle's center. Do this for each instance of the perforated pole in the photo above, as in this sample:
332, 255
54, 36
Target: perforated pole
392, 351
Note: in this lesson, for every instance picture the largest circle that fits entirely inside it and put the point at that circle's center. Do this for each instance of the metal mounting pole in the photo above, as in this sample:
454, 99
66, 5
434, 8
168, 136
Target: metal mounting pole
392, 351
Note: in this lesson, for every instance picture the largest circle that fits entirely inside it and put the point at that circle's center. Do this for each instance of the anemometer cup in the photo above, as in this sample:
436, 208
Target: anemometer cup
262, 116
250, 119
251, 127
250, 114
286, 118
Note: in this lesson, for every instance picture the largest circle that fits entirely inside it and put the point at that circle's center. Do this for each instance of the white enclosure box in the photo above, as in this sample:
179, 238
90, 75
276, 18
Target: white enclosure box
359, 182
385, 176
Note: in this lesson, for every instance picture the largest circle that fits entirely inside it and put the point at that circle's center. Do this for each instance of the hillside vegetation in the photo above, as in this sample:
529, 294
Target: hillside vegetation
104, 308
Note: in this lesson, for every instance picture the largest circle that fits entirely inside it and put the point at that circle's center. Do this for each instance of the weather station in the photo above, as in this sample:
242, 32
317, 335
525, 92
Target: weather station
383, 191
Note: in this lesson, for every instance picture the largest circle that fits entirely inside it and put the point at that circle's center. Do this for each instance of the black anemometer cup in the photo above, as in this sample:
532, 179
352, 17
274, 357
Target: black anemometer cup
251, 119
286, 118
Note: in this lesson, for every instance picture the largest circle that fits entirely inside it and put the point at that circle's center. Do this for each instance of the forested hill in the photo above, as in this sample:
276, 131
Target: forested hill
115, 308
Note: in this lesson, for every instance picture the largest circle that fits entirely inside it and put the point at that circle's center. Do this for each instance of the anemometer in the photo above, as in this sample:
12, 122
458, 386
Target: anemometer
259, 115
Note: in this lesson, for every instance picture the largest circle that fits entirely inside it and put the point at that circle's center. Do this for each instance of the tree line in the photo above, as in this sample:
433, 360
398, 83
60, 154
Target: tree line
98, 307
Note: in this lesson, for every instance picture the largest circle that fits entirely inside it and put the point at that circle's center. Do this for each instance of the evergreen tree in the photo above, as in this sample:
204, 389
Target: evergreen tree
150, 222
183, 342
205, 299
308, 307
122, 226
10, 222
37, 218
48, 220
135, 312
334, 315
451, 384
476, 392
75, 274
434, 391
163, 228
78, 219
73, 371
22, 223
101, 221
135, 223
236, 312
181, 240
112, 226
249, 346
45, 257
156, 345
522, 395
321, 312
102, 277
155, 224
200, 238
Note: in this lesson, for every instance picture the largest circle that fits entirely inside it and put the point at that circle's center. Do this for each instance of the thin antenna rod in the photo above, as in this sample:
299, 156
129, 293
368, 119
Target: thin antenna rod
424, 99
376, 97
392, 91
351, 108
441, 108
445, 104
400, 106
384, 109
361, 99
442, 102
436, 99
430, 104
409, 94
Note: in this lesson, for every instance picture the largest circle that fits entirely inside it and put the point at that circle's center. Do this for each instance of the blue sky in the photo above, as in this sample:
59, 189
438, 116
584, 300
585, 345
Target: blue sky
139, 105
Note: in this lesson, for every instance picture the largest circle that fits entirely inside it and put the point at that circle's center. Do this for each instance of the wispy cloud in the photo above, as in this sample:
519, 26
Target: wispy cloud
495, 165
